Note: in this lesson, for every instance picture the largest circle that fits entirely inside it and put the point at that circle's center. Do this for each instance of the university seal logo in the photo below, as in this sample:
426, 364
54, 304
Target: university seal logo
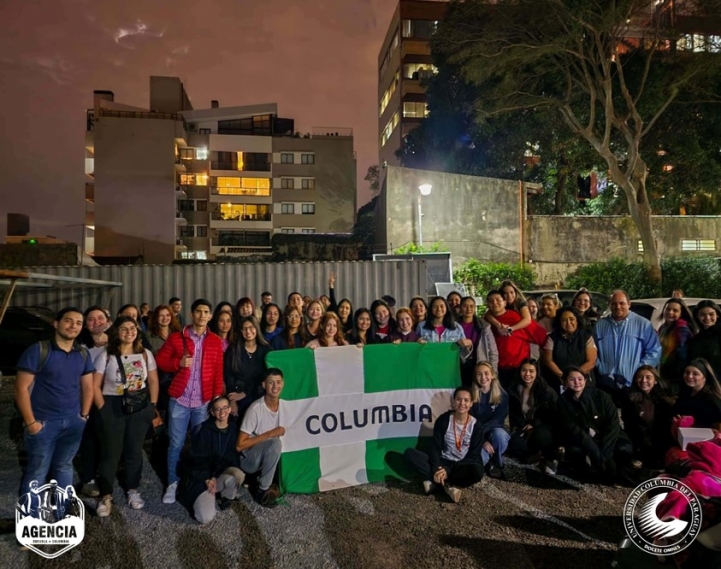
50, 519
667, 535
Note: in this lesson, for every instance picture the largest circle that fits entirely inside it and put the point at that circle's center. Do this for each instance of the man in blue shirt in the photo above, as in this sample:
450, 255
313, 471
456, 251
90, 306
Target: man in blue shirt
625, 342
54, 393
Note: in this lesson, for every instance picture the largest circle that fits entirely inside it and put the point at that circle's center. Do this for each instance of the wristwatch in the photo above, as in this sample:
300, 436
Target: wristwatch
86, 417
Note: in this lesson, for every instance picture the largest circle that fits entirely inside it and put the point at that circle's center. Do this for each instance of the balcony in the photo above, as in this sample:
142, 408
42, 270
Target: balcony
245, 167
240, 250
221, 221
179, 219
331, 132
180, 164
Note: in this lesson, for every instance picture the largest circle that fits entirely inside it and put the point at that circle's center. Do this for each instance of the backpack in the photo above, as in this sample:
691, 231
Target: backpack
45, 354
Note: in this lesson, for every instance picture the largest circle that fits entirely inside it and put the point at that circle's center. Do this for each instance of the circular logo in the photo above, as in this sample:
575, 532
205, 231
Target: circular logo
665, 536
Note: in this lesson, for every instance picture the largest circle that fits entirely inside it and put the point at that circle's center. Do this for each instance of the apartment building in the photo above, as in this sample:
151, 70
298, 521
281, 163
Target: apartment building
404, 62
219, 185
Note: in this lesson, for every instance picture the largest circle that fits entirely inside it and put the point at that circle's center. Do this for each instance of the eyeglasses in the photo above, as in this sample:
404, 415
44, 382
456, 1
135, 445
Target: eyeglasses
221, 409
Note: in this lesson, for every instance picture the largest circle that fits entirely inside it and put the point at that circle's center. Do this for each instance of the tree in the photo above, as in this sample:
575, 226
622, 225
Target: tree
373, 179
594, 64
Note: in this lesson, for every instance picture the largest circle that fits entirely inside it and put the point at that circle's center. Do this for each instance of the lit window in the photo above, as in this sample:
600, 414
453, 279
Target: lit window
307, 208
389, 93
307, 158
415, 110
194, 179
308, 183
198, 255
388, 130
287, 183
287, 208
417, 71
228, 186
286, 158
698, 245
307, 230
201, 153
244, 212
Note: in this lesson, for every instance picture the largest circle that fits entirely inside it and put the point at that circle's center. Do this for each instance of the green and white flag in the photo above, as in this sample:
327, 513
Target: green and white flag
345, 408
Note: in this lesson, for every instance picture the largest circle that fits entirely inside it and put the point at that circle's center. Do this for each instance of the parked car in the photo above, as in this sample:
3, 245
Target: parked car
20, 328
599, 301
652, 308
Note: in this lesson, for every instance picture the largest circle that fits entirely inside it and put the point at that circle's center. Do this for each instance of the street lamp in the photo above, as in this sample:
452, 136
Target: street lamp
425, 190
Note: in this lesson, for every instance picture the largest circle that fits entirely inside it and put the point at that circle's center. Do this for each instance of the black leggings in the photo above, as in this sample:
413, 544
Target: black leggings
460, 475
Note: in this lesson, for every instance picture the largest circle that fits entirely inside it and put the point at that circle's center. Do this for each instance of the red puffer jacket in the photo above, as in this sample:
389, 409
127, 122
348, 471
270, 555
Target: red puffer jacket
211, 368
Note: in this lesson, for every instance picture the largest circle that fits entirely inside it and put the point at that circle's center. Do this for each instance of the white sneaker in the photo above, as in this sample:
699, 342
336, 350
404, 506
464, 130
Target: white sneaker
135, 501
169, 496
104, 506
428, 486
90, 489
453, 493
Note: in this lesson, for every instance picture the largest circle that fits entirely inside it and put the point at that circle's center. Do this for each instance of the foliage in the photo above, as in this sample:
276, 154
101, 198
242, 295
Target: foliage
373, 179
696, 276
364, 229
479, 278
608, 72
409, 248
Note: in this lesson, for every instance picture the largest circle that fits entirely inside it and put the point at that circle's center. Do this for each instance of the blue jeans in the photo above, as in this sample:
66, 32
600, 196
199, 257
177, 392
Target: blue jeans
51, 451
498, 438
179, 418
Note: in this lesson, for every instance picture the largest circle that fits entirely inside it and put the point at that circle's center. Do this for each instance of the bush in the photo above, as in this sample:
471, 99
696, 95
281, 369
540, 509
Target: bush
696, 276
479, 278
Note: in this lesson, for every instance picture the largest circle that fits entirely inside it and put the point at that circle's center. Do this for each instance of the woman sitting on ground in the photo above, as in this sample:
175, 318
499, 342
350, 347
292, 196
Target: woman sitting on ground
589, 427
570, 344
707, 343
361, 328
490, 407
293, 334
440, 326
331, 335
646, 415
478, 331
514, 301
213, 465
700, 396
532, 416
404, 332
383, 325
453, 460
677, 329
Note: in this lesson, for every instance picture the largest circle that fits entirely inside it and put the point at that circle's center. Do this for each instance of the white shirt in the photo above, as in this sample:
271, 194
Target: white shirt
135, 372
259, 419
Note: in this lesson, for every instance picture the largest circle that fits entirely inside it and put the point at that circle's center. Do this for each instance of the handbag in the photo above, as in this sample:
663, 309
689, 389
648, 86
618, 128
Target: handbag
133, 401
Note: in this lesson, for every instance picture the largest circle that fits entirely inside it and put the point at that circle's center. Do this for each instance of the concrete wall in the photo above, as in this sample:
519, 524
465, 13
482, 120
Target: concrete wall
558, 245
334, 171
167, 95
472, 217
135, 201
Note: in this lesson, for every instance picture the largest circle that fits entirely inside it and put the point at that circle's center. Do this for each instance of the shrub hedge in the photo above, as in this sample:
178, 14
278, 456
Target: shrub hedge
479, 278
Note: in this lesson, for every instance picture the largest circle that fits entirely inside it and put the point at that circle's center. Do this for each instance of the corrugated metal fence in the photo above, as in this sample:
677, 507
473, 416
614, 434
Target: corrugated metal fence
361, 282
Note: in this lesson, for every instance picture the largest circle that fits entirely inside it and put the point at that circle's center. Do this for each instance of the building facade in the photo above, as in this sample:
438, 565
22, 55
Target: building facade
404, 62
173, 182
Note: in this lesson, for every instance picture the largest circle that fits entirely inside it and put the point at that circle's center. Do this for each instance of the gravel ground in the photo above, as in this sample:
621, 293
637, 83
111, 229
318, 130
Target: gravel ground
529, 521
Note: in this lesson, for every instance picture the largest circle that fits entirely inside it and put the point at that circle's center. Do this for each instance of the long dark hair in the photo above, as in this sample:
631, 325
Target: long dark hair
213, 324
478, 324
392, 324
449, 321
581, 322
712, 385
369, 333
706, 304
286, 335
591, 313
114, 338
124, 307
264, 320
685, 314
659, 390
349, 323
539, 384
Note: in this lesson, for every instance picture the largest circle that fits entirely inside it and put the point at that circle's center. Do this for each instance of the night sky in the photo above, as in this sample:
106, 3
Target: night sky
316, 58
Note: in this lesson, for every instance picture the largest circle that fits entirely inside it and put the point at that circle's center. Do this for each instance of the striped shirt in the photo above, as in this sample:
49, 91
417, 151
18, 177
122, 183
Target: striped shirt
192, 397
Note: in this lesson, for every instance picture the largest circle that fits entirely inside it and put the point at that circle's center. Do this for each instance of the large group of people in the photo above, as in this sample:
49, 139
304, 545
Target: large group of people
538, 380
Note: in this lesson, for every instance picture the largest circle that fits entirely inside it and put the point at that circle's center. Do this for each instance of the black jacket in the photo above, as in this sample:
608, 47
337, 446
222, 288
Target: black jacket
706, 344
593, 410
543, 406
211, 452
244, 374
439, 432
704, 407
